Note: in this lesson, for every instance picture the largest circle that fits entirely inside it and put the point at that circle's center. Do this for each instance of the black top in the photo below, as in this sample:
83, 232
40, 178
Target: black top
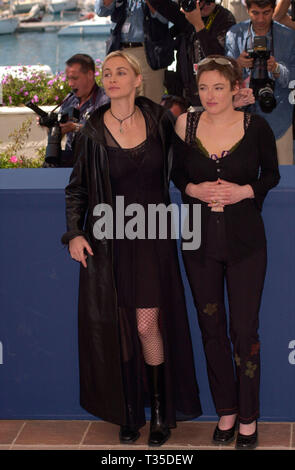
137, 175
253, 161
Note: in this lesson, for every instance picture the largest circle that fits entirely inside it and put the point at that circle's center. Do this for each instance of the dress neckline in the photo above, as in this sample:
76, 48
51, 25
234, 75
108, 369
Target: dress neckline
128, 148
191, 131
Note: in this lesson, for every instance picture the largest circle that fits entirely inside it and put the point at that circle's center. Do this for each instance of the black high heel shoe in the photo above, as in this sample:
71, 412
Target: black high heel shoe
224, 436
247, 442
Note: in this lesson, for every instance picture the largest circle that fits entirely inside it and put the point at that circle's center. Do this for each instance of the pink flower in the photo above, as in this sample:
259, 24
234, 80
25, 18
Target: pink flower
26, 93
36, 98
56, 98
13, 159
10, 99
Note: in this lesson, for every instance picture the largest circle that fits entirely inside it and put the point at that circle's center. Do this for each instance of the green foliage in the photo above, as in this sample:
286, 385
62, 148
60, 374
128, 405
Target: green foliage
12, 157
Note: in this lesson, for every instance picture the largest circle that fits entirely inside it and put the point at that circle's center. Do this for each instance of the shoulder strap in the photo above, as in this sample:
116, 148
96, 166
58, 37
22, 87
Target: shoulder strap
247, 119
192, 121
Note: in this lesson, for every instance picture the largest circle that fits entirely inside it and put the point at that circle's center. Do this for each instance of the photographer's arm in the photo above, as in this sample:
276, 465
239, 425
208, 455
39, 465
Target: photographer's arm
195, 17
70, 126
212, 41
281, 14
281, 10
231, 45
232, 50
279, 71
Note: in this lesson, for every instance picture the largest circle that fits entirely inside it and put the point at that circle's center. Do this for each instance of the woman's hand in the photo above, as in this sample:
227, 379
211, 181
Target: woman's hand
77, 246
226, 193
204, 191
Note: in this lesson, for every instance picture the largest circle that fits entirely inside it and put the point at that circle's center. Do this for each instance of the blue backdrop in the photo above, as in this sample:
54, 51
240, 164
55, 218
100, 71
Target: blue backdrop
39, 376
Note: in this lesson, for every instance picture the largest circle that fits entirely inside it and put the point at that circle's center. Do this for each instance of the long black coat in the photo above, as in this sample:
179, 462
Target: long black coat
101, 381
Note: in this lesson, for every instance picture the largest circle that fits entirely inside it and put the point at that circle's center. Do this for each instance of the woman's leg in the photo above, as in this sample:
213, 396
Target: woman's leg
207, 286
153, 352
150, 335
245, 282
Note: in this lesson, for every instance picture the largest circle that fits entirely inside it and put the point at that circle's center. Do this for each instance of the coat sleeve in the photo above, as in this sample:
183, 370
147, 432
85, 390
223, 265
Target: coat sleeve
77, 194
269, 171
178, 174
231, 44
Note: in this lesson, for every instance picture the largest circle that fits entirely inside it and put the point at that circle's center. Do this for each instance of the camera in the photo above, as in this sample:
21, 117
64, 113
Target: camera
263, 86
293, 10
190, 5
53, 120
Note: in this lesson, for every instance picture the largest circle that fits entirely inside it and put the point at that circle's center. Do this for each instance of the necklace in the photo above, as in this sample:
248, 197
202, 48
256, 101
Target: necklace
122, 120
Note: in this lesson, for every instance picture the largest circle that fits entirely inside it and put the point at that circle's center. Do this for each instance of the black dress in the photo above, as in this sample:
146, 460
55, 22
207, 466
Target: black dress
145, 272
136, 175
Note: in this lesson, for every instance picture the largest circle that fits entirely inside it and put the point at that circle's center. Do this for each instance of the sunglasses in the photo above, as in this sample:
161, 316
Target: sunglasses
207, 60
218, 60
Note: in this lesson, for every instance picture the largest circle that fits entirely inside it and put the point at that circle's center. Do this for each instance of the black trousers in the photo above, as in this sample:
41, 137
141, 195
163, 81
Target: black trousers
233, 364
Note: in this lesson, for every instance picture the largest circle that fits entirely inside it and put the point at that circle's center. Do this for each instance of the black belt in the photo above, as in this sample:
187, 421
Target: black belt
131, 44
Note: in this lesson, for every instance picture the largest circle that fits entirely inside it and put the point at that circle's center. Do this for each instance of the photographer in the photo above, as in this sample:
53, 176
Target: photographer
86, 97
276, 64
200, 28
281, 13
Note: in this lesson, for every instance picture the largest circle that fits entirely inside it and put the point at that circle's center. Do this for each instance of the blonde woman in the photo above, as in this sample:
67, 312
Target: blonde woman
134, 340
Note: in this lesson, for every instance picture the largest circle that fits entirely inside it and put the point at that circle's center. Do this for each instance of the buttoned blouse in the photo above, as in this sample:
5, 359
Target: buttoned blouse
252, 161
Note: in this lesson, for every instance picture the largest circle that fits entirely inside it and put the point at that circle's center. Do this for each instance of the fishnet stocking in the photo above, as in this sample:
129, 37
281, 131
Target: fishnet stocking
150, 335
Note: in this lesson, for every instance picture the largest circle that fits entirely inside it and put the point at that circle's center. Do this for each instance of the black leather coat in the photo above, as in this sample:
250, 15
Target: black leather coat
101, 385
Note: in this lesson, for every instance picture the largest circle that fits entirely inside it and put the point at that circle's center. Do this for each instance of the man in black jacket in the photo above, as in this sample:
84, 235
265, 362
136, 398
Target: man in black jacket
199, 33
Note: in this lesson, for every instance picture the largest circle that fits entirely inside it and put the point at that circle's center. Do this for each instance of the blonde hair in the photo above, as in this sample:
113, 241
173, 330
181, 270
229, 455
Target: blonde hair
132, 61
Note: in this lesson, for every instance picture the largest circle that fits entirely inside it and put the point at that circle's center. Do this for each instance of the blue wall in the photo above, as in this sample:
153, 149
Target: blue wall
39, 377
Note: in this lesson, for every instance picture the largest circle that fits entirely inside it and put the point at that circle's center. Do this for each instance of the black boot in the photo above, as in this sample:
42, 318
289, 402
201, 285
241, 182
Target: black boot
128, 433
159, 432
